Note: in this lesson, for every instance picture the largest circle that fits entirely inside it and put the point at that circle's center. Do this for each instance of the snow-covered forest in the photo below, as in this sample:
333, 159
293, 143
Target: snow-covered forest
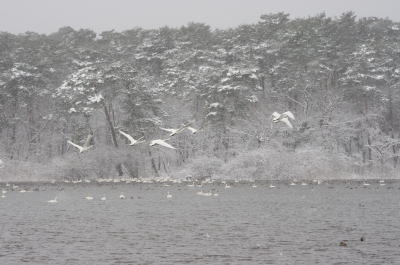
339, 76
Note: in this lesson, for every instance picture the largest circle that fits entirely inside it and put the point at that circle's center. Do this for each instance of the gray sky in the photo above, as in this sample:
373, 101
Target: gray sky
46, 16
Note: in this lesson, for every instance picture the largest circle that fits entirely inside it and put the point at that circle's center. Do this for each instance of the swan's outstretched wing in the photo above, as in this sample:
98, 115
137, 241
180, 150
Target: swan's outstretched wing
168, 130
289, 114
130, 138
75, 145
162, 143
287, 122
140, 140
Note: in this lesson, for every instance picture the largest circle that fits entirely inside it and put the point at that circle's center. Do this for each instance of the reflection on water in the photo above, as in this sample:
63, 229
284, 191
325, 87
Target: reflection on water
243, 225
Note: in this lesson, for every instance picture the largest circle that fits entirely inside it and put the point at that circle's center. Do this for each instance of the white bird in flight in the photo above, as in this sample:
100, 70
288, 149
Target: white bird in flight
132, 140
162, 143
85, 147
175, 131
284, 117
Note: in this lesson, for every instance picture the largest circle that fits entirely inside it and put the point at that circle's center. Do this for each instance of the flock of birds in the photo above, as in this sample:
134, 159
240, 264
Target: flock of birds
132, 141
276, 117
213, 192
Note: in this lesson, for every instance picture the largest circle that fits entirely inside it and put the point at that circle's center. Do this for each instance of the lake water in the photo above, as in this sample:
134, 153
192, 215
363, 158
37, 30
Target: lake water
243, 225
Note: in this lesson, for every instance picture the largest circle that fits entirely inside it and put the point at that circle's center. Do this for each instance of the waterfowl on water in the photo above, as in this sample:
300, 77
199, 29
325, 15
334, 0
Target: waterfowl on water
53, 200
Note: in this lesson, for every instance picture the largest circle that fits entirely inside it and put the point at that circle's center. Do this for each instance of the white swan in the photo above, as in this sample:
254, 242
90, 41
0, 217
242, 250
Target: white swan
271, 186
175, 131
2, 164
304, 184
53, 200
89, 198
284, 117
161, 142
169, 195
254, 186
227, 186
132, 140
103, 198
85, 147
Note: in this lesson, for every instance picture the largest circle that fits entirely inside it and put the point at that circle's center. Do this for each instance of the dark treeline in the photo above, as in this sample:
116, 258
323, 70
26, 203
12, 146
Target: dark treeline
339, 76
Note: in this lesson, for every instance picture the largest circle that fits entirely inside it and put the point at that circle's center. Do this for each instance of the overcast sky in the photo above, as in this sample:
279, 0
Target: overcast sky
46, 16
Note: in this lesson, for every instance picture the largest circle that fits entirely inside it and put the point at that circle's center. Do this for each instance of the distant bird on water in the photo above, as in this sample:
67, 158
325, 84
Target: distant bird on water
169, 195
162, 143
53, 200
1, 164
284, 117
132, 140
86, 146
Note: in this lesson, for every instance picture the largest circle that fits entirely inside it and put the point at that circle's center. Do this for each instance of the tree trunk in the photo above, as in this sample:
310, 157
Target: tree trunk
118, 167
153, 164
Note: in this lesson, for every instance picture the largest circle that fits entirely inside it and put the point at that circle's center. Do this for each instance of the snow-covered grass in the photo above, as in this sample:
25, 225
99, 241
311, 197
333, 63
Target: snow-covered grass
280, 164
260, 164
